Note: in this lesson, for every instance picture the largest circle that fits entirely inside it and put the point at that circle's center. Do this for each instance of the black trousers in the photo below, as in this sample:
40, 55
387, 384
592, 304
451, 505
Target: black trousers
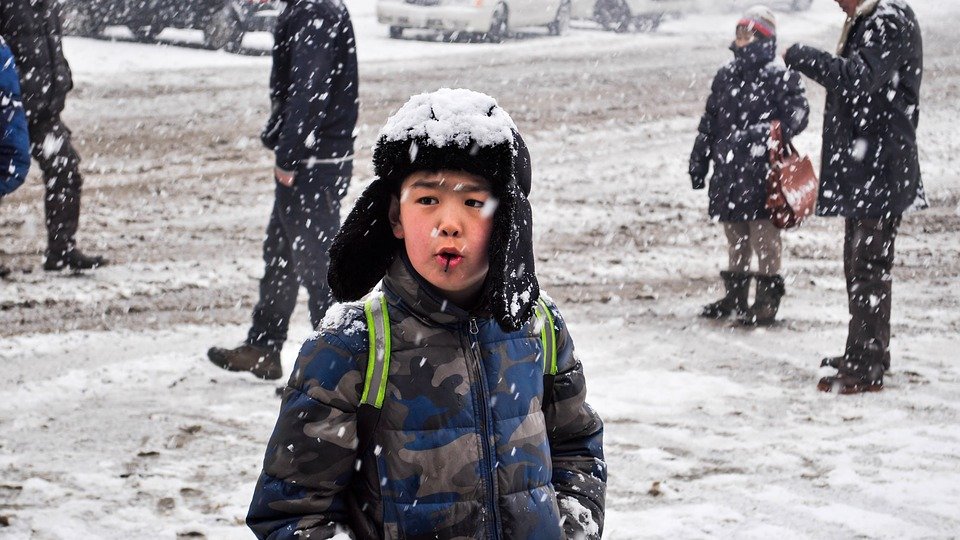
867, 264
304, 220
52, 148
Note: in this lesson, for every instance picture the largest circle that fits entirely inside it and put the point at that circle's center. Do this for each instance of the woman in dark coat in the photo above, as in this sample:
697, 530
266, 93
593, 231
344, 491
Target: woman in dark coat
748, 95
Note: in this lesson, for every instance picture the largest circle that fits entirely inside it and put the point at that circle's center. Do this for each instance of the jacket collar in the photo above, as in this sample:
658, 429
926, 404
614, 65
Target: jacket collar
865, 9
422, 299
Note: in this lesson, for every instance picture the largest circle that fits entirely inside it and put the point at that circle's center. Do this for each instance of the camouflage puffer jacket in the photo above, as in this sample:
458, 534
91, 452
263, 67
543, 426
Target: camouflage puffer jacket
463, 447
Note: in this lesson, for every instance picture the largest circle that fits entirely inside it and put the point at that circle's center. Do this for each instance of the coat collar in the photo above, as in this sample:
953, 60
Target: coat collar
421, 298
865, 9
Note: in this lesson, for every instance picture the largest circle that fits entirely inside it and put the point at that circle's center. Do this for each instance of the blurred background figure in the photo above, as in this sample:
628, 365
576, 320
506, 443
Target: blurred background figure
33, 30
14, 140
870, 172
311, 130
748, 94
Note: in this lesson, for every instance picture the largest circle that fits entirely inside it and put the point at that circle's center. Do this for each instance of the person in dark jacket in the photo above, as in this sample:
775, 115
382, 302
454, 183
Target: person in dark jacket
748, 94
314, 92
14, 138
32, 29
476, 427
870, 172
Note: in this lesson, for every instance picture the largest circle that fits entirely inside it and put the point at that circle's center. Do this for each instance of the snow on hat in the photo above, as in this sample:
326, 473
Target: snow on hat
760, 19
454, 129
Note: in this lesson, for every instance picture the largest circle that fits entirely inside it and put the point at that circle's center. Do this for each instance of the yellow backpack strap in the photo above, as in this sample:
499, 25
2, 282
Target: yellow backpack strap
548, 337
378, 365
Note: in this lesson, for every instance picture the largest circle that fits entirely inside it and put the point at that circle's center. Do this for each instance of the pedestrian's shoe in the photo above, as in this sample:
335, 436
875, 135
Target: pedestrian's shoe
737, 285
852, 377
263, 363
74, 259
770, 290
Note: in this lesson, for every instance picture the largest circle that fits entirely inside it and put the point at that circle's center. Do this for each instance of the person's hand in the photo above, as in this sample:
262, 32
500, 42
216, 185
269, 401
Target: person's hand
284, 177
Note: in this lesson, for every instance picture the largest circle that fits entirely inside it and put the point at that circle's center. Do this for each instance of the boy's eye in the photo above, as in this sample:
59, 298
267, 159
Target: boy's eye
427, 200
473, 203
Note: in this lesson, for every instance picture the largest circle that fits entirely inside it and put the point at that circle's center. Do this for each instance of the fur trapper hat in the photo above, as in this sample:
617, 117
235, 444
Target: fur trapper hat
450, 129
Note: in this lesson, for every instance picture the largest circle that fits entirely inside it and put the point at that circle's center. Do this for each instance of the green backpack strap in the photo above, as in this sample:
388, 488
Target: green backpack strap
378, 364
548, 341
378, 367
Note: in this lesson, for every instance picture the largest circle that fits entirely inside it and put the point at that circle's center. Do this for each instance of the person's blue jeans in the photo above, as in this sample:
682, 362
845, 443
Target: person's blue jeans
304, 220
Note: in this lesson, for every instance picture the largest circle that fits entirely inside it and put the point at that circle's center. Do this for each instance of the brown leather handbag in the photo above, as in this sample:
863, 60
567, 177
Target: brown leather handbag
792, 186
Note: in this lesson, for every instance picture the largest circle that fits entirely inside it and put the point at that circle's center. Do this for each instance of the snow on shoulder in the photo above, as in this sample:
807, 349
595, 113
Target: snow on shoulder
451, 116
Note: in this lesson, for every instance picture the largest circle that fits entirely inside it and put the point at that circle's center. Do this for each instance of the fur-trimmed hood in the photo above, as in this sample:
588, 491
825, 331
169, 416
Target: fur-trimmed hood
457, 130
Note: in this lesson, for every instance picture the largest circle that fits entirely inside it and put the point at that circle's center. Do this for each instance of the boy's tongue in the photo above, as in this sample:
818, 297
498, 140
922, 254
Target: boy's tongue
448, 260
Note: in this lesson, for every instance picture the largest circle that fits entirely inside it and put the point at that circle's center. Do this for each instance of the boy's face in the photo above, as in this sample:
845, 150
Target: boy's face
444, 219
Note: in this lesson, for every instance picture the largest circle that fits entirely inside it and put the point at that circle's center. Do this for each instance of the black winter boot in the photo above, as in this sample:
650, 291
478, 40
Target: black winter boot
74, 259
737, 285
770, 290
858, 371
263, 363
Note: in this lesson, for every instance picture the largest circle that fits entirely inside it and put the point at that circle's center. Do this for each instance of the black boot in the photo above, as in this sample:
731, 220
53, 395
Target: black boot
737, 285
770, 290
263, 363
858, 371
73, 258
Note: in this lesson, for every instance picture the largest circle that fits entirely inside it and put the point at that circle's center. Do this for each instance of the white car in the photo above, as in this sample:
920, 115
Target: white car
632, 15
492, 19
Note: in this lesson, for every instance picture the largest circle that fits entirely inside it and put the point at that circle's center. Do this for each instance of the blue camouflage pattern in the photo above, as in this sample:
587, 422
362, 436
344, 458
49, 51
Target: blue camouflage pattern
464, 446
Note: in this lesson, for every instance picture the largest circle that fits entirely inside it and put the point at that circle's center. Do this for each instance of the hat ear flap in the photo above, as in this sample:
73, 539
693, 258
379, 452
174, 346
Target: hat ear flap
364, 248
512, 288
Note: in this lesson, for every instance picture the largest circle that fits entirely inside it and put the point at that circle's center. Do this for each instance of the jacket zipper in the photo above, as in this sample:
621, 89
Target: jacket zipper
491, 482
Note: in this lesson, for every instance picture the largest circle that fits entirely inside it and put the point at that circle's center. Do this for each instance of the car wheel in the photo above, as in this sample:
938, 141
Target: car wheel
648, 23
396, 32
499, 25
81, 22
146, 34
223, 31
560, 25
613, 15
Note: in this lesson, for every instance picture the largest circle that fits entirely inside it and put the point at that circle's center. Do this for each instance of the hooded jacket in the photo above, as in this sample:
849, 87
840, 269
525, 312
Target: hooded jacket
32, 29
14, 139
465, 446
747, 95
870, 166
313, 85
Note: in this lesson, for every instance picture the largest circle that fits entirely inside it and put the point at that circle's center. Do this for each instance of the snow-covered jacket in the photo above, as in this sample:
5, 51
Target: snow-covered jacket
870, 166
747, 94
313, 85
14, 138
468, 444
33, 31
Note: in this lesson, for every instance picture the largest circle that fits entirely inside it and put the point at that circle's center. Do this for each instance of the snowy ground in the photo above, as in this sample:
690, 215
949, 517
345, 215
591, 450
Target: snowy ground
115, 426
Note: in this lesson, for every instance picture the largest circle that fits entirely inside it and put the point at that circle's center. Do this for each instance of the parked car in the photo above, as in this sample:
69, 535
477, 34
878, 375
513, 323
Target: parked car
632, 15
223, 22
491, 19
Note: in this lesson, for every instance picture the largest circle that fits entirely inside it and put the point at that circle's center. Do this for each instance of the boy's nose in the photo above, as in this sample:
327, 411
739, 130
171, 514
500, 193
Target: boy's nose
449, 225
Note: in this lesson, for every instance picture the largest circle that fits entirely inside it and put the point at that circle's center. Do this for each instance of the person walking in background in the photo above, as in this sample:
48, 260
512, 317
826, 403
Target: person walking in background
14, 139
32, 28
748, 94
870, 172
311, 131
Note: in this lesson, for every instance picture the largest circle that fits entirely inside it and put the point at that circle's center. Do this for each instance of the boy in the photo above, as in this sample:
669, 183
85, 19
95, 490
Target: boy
747, 97
440, 407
